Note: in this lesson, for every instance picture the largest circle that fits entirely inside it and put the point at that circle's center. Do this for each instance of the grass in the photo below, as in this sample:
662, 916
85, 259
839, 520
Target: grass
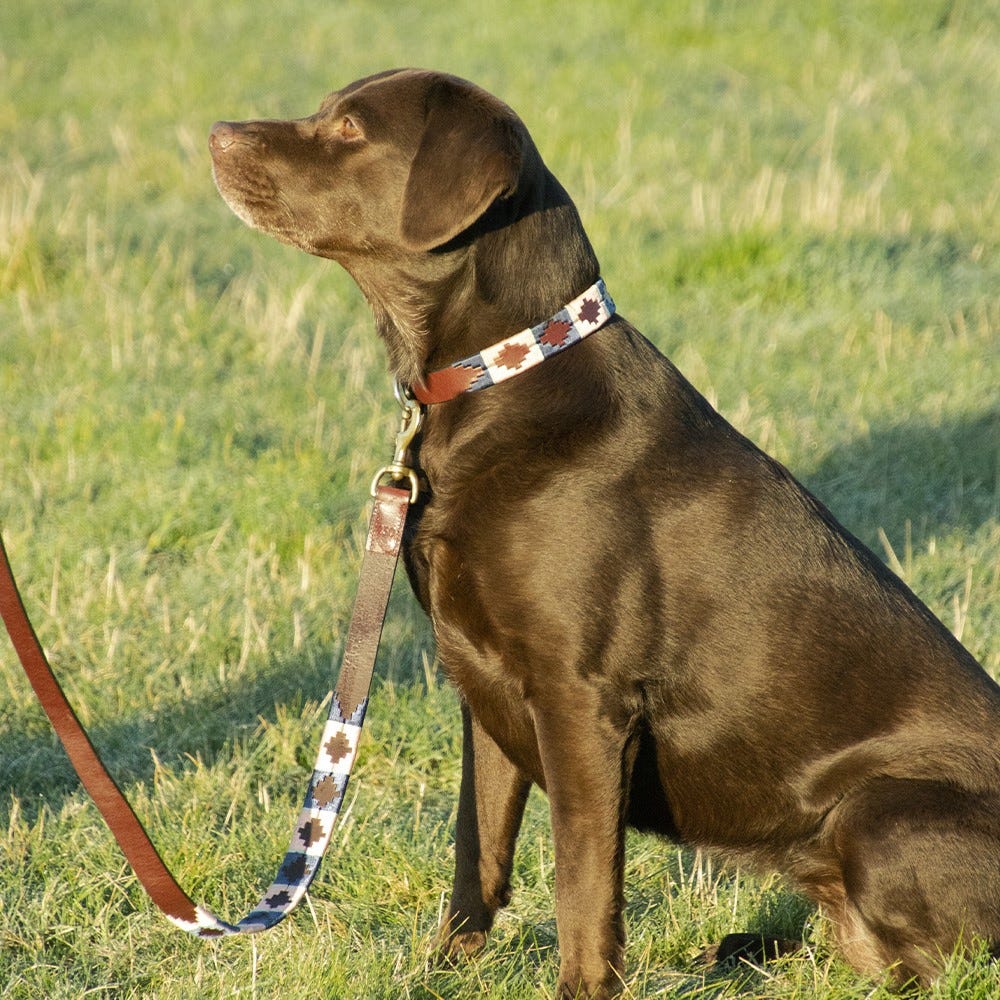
799, 203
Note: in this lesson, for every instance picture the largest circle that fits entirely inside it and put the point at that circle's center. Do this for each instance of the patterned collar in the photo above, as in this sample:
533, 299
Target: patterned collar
585, 314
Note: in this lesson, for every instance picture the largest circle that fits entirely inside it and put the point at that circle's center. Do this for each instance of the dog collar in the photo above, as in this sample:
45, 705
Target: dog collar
580, 318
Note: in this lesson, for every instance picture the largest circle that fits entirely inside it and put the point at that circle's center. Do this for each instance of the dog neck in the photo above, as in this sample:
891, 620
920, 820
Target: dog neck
519, 264
415, 304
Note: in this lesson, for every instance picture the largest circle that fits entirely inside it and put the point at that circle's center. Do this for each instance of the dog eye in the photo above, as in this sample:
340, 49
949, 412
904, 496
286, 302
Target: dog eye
348, 128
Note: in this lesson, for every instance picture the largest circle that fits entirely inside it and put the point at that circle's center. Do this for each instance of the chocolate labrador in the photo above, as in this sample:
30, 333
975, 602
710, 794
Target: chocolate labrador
644, 614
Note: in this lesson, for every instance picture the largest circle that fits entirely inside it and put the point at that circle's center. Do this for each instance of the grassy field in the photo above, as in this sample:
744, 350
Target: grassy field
799, 203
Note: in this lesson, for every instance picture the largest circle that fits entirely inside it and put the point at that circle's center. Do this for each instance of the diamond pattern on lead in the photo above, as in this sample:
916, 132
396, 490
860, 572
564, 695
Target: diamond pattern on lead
338, 747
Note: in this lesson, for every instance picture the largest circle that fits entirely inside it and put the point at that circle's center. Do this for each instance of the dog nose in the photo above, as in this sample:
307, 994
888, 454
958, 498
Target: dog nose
222, 136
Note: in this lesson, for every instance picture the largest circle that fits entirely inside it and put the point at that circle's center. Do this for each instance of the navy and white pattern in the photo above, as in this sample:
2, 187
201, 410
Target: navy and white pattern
581, 317
313, 830
339, 742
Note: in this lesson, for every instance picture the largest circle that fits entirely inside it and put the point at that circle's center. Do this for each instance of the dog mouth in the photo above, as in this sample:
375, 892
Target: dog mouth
245, 184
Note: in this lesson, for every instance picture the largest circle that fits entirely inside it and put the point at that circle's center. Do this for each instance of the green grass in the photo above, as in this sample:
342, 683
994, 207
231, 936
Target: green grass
798, 202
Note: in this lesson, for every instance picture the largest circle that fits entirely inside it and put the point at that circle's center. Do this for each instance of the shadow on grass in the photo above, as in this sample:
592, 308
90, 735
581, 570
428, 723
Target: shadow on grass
514, 956
936, 478
35, 770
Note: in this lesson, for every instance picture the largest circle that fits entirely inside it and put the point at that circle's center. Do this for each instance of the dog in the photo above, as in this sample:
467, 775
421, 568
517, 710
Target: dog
644, 614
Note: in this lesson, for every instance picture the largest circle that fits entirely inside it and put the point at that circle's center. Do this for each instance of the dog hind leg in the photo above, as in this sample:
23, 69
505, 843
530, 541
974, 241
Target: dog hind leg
921, 873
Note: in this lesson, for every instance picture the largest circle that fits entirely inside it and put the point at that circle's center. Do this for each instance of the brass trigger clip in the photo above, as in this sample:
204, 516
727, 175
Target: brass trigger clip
410, 422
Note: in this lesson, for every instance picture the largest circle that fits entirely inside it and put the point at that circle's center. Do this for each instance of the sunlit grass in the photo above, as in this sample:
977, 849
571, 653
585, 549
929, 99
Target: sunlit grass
799, 203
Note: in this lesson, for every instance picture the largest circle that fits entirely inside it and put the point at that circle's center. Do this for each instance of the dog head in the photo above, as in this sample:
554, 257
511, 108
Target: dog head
432, 195
404, 160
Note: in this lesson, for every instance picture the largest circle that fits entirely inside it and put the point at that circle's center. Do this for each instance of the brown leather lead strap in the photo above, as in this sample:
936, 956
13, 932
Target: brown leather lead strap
385, 535
336, 756
128, 831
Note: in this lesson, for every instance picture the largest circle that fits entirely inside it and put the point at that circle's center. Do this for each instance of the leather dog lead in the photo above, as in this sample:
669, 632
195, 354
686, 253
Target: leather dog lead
338, 744
131, 837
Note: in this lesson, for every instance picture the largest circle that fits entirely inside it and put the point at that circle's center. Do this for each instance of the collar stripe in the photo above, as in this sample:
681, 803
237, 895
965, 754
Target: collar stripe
580, 318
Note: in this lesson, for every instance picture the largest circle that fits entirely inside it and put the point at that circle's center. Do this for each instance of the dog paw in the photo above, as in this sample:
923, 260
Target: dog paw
757, 949
598, 982
602, 991
458, 947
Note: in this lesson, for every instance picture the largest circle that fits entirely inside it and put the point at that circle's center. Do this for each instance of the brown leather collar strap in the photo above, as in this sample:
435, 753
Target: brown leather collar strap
338, 746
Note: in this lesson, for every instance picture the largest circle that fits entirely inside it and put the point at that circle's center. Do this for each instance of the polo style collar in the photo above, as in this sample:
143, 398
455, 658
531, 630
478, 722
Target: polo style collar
580, 318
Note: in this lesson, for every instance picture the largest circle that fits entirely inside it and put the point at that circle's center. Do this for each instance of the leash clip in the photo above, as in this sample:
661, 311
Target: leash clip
410, 422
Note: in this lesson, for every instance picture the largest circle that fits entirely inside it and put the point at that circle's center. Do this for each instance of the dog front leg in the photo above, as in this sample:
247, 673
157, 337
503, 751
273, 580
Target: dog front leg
490, 807
584, 761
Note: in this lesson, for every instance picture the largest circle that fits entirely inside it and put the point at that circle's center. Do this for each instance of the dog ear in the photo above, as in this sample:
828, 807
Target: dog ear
469, 155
